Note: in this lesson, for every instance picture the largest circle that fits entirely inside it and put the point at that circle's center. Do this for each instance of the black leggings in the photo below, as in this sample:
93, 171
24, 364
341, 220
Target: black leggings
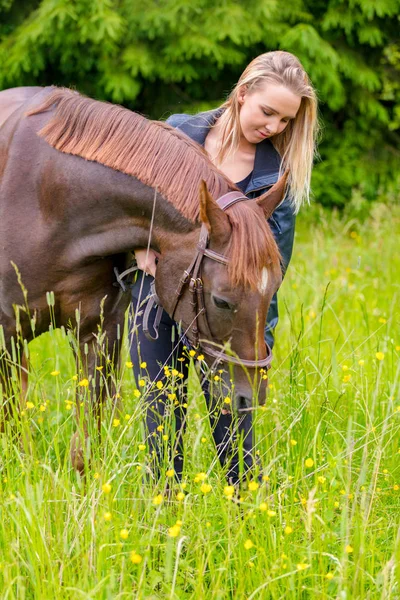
165, 352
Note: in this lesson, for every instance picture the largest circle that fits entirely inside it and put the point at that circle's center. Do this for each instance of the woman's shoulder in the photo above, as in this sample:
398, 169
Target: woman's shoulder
178, 119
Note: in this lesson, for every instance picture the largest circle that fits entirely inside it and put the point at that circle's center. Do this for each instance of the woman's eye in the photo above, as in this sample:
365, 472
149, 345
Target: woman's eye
267, 114
219, 303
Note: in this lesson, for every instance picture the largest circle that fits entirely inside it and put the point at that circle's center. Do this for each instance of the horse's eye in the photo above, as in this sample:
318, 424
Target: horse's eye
219, 303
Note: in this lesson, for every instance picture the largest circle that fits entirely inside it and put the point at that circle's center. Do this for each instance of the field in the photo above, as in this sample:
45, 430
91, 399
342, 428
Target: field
323, 523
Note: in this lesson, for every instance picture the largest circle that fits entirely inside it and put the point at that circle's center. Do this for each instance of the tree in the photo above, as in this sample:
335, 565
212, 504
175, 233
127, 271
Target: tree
162, 56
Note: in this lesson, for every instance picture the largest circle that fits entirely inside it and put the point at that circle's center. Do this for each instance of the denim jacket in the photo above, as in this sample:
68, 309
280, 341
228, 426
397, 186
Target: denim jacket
265, 174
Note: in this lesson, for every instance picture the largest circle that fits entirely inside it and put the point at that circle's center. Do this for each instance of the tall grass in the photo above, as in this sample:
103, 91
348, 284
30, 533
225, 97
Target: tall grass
324, 520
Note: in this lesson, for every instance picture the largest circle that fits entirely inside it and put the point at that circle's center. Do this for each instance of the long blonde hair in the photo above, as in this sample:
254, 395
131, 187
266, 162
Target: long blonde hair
296, 145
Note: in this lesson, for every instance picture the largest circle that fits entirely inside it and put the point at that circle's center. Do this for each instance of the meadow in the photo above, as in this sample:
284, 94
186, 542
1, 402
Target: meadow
323, 522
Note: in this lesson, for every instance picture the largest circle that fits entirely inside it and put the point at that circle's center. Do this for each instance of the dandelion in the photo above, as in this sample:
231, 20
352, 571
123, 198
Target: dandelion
107, 516
170, 473
135, 558
229, 490
248, 544
128, 364
288, 530
143, 364
123, 534
157, 500
253, 486
55, 373
106, 487
174, 531
349, 549
116, 423
380, 355
205, 488
309, 463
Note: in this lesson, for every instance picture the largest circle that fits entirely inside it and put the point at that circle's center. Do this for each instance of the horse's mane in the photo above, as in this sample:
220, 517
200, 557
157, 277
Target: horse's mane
161, 157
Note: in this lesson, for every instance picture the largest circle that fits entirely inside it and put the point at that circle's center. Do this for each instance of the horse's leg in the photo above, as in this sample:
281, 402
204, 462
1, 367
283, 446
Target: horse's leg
101, 354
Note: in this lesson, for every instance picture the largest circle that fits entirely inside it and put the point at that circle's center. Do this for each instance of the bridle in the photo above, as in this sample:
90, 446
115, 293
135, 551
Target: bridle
192, 277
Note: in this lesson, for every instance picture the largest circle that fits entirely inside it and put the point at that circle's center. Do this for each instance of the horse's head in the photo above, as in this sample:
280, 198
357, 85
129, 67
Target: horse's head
227, 300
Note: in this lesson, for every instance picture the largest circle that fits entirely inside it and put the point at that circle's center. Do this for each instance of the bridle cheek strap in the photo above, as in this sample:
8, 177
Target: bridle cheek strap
192, 277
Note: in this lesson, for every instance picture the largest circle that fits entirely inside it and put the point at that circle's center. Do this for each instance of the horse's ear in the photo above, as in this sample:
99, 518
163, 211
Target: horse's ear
213, 217
271, 199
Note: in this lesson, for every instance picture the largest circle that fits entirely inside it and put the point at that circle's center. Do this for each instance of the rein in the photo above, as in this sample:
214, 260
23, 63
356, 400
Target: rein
192, 277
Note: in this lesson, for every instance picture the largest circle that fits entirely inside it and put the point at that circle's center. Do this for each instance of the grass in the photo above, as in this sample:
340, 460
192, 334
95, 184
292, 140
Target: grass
324, 522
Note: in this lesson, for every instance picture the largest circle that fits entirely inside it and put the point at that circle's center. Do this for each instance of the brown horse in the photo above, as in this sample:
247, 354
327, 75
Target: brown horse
82, 183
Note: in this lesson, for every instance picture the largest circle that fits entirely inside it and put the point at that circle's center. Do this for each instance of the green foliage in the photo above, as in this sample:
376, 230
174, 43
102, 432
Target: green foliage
159, 57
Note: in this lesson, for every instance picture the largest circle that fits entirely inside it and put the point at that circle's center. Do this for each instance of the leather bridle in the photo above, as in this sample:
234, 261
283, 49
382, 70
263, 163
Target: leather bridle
192, 277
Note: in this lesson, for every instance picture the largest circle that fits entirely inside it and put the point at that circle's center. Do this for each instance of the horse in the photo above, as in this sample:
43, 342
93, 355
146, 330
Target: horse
84, 182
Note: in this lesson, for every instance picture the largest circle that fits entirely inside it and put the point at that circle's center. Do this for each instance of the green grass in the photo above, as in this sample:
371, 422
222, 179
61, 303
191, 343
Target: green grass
327, 528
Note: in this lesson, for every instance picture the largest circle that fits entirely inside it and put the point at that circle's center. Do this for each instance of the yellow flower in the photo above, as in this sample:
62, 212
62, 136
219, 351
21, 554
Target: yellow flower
157, 499
129, 364
142, 447
170, 473
174, 531
135, 558
141, 382
200, 357
42, 407
180, 496
160, 385
361, 362
107, 516
263, 506
116, 422
227, 400
106, 487
175, 372
96, 476
288, 530
349, 549
192, 353
302, 566
143, 364
293, 443
30, 405
380, 355
160, 427
217, 377
99, 368
253, 486
271, 513
75, 377
137, 393
309, 463
346, 378
55, 373
229, 490
397, 348
265, 478
248, 544
124, 534
84, 382
321, 479
205, 488
200, 477
345, 367
329, 575
127, 417
165, 437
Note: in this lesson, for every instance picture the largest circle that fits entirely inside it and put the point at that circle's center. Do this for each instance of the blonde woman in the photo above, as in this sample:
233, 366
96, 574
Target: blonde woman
267, 125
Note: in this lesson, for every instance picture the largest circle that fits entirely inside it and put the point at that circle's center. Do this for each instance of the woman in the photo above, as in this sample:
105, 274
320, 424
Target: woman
267, 125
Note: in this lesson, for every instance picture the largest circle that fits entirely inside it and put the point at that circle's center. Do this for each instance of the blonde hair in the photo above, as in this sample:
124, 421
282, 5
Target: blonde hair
296, 145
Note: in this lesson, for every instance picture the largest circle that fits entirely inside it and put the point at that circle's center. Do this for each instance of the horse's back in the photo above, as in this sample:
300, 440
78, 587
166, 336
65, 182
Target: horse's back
14, 98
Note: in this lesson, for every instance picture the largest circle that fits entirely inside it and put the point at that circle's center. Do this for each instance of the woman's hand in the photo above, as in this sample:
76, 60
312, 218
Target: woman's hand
146, 260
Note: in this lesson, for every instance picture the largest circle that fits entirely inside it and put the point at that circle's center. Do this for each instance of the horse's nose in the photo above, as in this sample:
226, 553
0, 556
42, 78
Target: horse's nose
243, 403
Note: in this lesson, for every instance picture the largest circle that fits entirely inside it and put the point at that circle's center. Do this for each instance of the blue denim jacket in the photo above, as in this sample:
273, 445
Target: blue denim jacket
265, 174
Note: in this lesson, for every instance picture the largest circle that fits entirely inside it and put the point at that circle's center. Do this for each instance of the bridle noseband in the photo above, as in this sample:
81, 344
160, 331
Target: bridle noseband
192, 277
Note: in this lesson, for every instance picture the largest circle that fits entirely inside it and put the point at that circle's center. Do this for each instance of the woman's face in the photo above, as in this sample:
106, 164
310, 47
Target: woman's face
266, 111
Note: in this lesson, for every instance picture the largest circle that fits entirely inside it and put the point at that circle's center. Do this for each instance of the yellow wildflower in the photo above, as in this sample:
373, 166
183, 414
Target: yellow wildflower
200, 477
288, 530
116, 422
248, 544
309, 463
329, 575
205, 488
84, 382
141, 382
55, 373
124, 534
128, 364
170, 473
106, 487
302, 566
253, 486
143, 364
160, 385
263, 506
157, 499
293, 443
135, 558
229, 490
227, 400
265, 478
174, 531
180, 496
349, 549
107, 516
30, 405
380, 355
271, 513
